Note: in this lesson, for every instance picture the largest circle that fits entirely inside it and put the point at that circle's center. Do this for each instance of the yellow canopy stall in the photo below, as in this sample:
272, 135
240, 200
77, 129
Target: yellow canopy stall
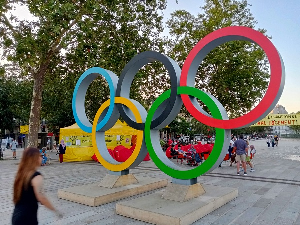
79, 143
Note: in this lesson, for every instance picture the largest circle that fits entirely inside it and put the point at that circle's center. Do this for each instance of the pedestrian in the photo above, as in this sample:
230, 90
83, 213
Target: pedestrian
62, 150
231, 152
272, 141
13, 147
231, 143
276, 138
48, 144
28, 190
7, 143
248, 156
268, 140
174, 152
44, 156
54, 145
240, 148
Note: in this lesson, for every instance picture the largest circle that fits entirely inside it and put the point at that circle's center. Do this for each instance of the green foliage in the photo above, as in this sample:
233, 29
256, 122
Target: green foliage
251, 130
57, 103
15, 99
180, 126
21, 97
200, 128
236, 72
6, 115
67, 37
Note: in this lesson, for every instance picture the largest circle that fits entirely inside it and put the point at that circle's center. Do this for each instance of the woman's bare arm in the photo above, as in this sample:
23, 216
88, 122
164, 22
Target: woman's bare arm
37, 183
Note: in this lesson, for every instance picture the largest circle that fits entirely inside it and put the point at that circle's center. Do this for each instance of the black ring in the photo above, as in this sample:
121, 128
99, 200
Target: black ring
168, 110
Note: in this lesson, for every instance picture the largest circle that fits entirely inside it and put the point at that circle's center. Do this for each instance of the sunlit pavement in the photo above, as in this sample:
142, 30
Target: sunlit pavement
270, 195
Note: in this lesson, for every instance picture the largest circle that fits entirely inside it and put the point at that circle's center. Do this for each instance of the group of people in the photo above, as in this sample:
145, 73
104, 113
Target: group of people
272, 140
12, 144
241, 152
191, 156
28, 184
61, 151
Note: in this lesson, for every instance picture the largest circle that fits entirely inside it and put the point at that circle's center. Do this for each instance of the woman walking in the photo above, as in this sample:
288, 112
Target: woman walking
62, 150
28, 189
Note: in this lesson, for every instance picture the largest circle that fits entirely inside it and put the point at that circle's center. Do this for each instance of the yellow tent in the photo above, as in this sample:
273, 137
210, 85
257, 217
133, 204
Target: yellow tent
79, 143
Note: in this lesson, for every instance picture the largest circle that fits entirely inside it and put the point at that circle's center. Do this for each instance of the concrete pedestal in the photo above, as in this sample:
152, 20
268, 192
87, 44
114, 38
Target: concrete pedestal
182, 193
109, 189
114, 181
157, 210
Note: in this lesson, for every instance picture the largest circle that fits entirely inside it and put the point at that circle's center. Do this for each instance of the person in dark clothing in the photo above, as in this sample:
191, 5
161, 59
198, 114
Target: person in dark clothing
62, 150
241, 148
28, 188
174, 152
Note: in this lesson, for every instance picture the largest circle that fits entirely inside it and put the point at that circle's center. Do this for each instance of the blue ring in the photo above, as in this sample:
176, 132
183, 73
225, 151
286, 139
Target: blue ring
87, 127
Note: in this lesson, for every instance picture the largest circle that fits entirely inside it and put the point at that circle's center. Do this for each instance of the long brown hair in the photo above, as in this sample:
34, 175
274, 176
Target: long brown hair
27, 167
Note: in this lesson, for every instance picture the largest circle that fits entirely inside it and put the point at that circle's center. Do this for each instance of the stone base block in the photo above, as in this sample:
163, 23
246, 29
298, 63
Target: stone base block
113, 181
157, 210
94, 195
182, 193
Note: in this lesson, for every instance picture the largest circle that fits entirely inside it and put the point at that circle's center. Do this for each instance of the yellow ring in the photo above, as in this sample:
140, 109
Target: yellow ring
125, 165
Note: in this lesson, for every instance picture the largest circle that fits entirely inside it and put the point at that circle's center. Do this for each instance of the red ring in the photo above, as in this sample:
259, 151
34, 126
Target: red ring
273, 88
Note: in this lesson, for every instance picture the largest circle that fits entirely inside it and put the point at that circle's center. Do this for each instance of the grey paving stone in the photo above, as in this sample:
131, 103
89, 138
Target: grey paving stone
259, 202
262, 203
275, 191
248, 216
283, 221
292, 209
269, 215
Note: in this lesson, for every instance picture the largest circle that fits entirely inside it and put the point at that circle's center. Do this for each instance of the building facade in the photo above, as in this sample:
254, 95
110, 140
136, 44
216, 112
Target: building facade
280, 130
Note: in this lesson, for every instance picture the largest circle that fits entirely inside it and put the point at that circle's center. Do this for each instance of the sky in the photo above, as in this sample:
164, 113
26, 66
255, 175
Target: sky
281, 19
282, 22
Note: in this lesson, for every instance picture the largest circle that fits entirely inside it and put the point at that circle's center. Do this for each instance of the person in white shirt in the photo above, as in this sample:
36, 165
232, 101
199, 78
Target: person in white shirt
268, 140
230, 149
248, 156
13, 147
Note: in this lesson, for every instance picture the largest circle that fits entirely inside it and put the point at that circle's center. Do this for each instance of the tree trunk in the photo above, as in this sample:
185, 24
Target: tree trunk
36, 105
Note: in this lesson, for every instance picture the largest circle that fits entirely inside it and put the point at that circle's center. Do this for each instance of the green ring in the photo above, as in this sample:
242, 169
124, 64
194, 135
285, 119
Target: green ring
217, 149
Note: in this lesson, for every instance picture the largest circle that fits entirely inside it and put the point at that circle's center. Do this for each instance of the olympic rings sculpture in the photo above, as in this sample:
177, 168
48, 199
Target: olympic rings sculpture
168, 105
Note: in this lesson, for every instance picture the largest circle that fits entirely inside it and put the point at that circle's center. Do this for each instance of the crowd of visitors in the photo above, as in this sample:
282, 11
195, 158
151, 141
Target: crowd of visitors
12, 144
272, 140
240, 152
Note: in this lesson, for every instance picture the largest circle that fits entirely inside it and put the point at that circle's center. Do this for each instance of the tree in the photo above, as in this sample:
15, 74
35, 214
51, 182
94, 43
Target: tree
6, 115
15, 98
57, 103
199, 128
67, 37
251, 130
180, 126
21, 98
236, 72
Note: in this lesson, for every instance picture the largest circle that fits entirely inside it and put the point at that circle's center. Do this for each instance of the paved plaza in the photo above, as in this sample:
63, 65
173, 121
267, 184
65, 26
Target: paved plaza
270, 195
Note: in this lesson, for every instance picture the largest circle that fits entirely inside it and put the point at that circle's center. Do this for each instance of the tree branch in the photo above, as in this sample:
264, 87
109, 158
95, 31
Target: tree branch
63, 32
8, 24
57, 45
